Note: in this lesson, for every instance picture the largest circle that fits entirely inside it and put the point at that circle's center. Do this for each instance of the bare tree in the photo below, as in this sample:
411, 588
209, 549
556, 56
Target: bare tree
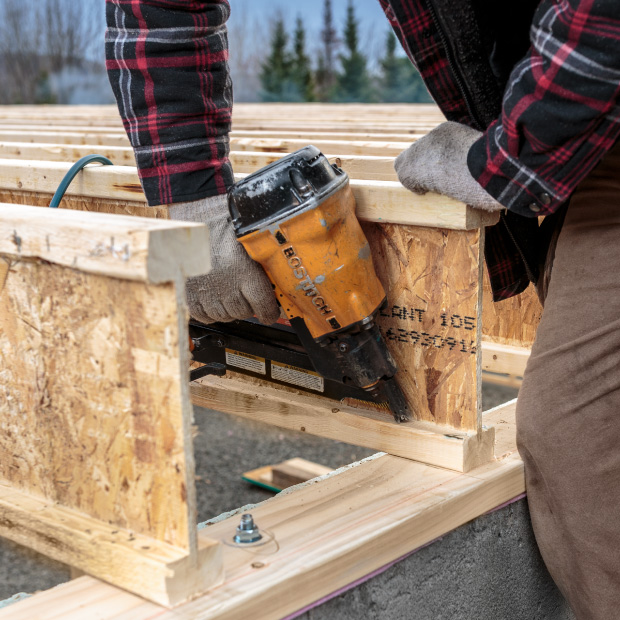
19, 44
247, 50
70, 31
38, 39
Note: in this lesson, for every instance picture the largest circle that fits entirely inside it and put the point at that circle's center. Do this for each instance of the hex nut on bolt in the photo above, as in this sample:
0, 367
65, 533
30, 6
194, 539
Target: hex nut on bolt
247, 531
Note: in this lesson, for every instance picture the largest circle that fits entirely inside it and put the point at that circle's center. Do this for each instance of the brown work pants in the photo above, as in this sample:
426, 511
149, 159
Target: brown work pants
568, 412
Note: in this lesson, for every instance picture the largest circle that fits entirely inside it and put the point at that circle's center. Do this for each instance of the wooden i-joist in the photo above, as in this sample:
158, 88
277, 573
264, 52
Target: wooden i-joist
96, 461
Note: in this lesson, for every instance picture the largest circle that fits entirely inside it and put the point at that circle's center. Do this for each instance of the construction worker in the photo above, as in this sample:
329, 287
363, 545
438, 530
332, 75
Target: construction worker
530, 90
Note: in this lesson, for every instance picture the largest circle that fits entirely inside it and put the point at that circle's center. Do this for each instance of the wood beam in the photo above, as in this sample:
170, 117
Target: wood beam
166, 574
501, 358
144, 249
421, 441
330, 533
377, 201
363, 167
96, 458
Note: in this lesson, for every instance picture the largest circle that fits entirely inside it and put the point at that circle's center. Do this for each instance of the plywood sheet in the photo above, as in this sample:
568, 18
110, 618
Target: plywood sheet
432, 319
91, 403
512, 321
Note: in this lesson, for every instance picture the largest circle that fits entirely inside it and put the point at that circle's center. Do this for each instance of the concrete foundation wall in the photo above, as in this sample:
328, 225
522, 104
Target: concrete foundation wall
489, 569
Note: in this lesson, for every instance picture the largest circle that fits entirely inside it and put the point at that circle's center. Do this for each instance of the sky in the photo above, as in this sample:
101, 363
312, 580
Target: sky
373, 23
368, 11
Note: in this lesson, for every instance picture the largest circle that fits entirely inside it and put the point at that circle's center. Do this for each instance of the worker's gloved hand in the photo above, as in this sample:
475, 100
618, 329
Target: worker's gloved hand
237, 287
438, 163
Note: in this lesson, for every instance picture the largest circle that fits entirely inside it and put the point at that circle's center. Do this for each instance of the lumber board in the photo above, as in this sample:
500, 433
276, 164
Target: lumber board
286, 474
121, 557
372, 168
421, 441
372, 126
271, 145
93, 204
295, 471
276, 134
119, 155
60, 127
313, 134
385, 201
67, 137
330, 533
116, 182
501, 358
144, 249
289, 145
509, 381
361, 131
381, 201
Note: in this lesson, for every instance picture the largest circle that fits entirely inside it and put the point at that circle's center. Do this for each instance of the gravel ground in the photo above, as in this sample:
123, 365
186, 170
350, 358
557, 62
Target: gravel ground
225, 447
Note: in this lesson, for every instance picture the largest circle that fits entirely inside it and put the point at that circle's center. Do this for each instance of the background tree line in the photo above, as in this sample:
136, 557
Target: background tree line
51, 51
340, 72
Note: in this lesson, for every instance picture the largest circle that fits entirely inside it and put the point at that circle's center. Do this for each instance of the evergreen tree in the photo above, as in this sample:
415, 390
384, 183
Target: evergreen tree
400, 81
301, 70
326, 72
276, 76
353, 82
321, 78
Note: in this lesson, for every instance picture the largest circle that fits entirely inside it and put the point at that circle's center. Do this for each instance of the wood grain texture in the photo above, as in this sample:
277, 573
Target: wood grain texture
52, 136
421, 441
432, 321
133, 248
378, 168
117, 182
285, 474
137, 563
118, 155
512, 321
329, 534
380, 201
295, 471
93, 204
502, 358
387, 201
286, 145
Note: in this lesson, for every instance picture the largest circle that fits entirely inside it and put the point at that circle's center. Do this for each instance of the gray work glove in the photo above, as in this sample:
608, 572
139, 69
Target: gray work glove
237, 287
438, 163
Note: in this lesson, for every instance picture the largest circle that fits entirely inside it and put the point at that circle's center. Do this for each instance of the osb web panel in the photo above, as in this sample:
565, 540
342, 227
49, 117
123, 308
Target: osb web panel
90, 381
512, 321
431, 322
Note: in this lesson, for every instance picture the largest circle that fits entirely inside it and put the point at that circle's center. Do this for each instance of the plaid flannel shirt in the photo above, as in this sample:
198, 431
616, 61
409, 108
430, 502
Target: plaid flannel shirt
167, 63
560, 112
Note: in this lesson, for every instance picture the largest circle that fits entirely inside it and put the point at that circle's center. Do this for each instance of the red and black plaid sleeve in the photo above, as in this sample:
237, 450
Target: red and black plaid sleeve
559, 117
167, 61
560, 112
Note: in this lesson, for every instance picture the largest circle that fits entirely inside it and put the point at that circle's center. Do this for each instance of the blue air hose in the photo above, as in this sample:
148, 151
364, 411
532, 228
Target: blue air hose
77, 167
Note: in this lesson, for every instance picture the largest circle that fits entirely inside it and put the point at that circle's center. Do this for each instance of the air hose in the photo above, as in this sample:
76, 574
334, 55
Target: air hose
77, 167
